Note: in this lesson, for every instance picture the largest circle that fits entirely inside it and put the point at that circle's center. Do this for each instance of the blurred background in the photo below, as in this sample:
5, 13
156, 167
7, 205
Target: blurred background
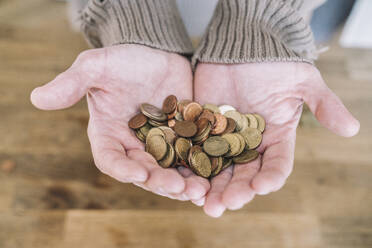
51, 194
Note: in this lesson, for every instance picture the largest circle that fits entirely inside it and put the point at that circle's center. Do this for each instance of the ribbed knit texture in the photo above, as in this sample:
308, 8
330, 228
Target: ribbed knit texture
243, 31
154, 23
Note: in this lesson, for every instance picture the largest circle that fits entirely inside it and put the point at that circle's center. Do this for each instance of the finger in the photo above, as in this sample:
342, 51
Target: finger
199, 202
68, 87
277, 165
239, 192
110, 157
168, 181
196, 187
329, 110
213, 205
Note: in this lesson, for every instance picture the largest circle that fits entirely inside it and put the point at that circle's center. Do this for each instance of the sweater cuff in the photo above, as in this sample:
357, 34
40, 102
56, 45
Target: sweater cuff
243, 31
154, 23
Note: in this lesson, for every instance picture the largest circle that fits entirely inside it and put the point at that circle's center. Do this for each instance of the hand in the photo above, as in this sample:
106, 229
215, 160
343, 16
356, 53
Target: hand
116, 81
276, 91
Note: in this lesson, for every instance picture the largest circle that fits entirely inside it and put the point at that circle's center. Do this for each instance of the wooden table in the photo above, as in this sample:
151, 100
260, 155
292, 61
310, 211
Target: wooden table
51, 194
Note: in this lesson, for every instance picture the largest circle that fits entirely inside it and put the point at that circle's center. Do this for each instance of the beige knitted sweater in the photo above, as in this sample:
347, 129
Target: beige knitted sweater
240, 31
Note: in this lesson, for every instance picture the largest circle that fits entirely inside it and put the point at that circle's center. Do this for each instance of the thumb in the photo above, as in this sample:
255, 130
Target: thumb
64, 91
70, 86
328, 108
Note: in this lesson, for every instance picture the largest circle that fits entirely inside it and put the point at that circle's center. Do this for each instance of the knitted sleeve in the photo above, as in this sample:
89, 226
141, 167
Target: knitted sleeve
154, 23
243, 31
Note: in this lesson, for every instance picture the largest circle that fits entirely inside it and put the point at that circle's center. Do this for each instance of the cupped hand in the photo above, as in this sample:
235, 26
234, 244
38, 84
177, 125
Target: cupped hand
116, 80
276, 91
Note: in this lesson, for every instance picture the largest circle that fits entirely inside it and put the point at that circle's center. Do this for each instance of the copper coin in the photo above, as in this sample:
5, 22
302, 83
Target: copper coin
172, 115
202, 125
207, 114
169, 104
137, 121
192, 111
231, 125
220, 125
182, 104
185, 129
172, 123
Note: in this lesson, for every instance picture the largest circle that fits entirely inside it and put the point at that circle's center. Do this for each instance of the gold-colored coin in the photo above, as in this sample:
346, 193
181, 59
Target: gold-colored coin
217, 163
252, 137
253, 123
234, 143
216, 146
201, 164
261, 122
242, 143
157, 123
241, 122
169, 158
212, 108
145, 129
170, 135
153, 112
226, 163
182, 147
155, 131
246, 157
140, 135
156, 146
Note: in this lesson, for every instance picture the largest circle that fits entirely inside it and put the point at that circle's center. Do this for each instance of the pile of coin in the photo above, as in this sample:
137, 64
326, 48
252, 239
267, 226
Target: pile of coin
206, 139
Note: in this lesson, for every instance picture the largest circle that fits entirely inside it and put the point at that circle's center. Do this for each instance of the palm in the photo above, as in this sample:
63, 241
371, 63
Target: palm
276, 91
117, 80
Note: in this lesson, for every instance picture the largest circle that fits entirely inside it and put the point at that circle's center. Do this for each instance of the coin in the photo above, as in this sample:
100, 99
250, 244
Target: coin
200, 138
172, 115
170, 135
182, 147
156, 146
216, 146
246, 157
240, 120
192, 150
145, 129
155, 131
137, 121
220, 125
185, 129
212, 108
169, 158
217, 163
252, 137
171, 123
182, 104
192, 111
207, 114
201, 164
253, 123
231, 125
153, 112
157, 123
178, 116
227, 162
140, 135
242, 143
234, 144
169, 104
224, 108
202, 125
261, 122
